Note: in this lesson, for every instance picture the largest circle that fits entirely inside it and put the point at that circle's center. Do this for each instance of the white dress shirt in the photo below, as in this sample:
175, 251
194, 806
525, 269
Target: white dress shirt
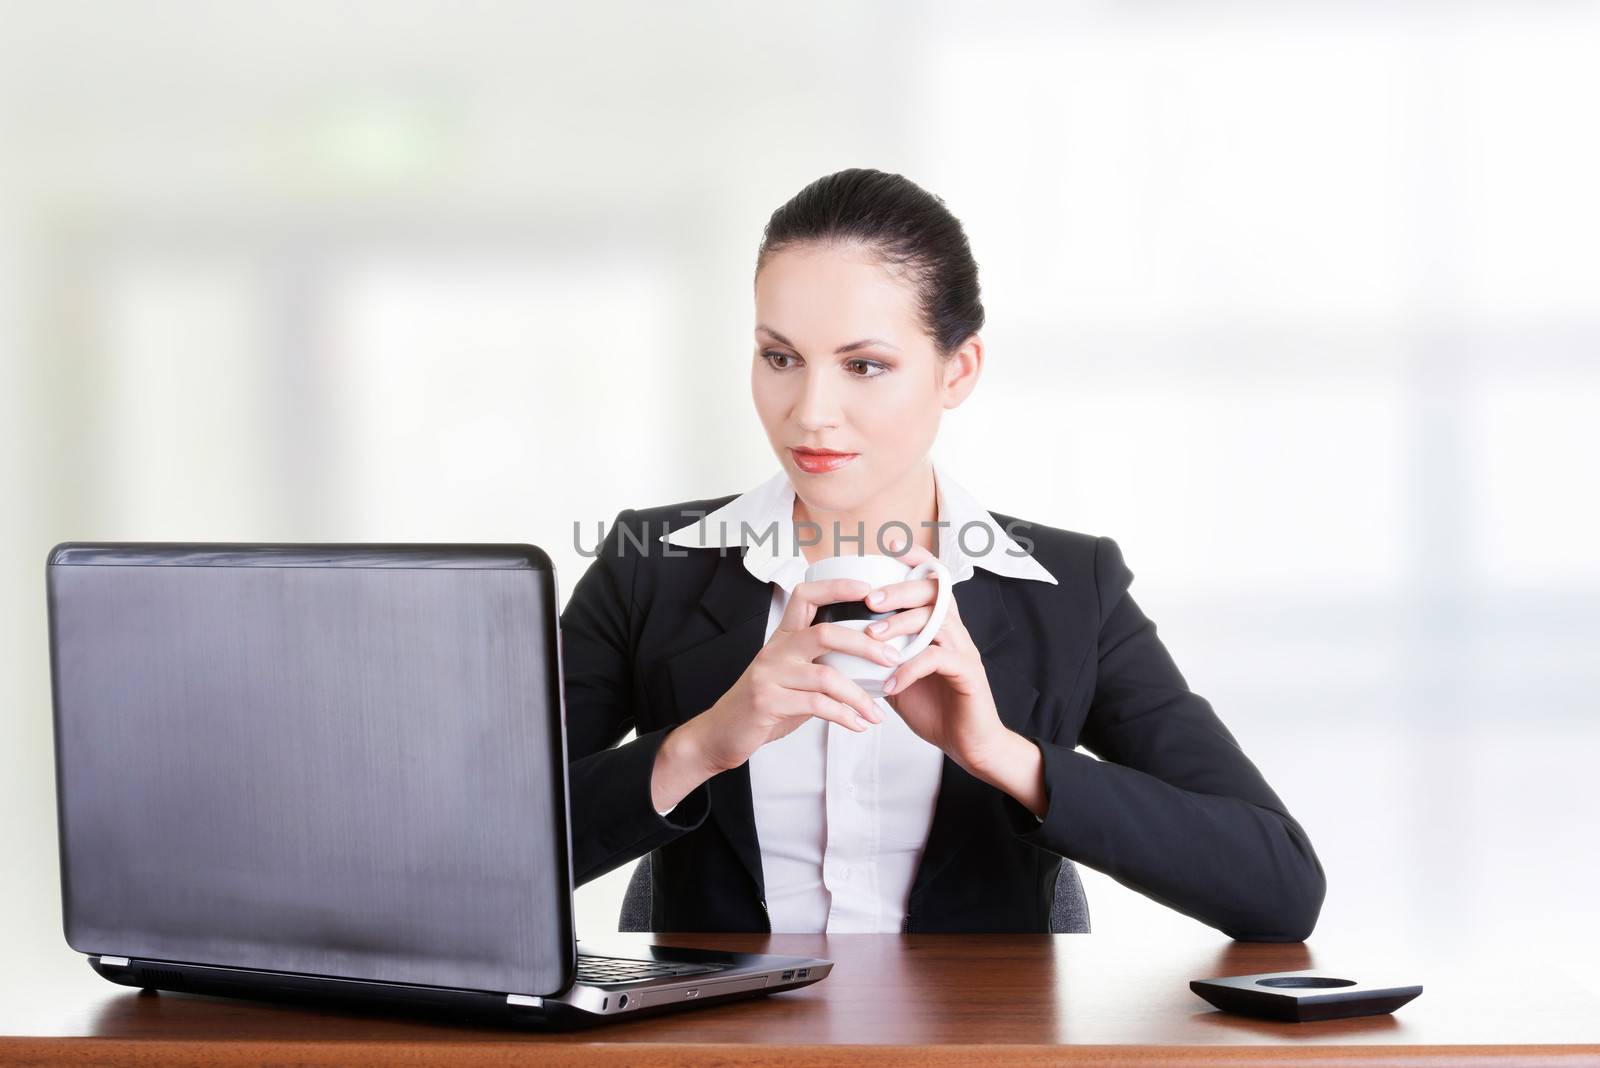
842, 817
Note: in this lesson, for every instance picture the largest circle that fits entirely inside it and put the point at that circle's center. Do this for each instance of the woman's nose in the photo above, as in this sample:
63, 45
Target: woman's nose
816, 407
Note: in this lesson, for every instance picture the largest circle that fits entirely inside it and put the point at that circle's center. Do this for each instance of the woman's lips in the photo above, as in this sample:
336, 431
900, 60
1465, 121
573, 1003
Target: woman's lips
819, 463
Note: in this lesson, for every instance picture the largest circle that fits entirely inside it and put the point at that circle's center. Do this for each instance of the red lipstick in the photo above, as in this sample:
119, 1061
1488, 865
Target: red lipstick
819, 461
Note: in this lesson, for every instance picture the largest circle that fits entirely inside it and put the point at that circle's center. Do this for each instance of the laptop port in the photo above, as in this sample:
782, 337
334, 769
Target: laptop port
802, 973
622, 1002
787, 976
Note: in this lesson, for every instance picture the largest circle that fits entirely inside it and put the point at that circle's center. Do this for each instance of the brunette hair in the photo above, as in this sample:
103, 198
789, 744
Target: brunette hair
906, 227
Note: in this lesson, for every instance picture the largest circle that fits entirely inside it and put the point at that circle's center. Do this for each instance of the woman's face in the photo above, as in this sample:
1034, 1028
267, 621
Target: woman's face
842, 362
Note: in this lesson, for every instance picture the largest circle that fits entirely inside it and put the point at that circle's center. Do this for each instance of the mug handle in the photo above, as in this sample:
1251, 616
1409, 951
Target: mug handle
941, 605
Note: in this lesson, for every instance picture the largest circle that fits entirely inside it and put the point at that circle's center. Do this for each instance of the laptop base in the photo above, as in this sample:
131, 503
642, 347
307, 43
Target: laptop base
580, 1007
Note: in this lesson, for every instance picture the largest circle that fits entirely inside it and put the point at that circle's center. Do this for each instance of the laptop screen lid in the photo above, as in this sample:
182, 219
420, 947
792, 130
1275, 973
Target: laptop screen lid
336, 760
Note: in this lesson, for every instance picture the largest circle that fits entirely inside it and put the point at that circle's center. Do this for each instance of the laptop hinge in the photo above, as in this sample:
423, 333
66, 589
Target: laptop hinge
525, 999
115, 962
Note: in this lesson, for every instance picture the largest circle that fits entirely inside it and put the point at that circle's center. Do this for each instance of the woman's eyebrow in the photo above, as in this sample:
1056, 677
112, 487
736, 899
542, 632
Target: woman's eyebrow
840, 351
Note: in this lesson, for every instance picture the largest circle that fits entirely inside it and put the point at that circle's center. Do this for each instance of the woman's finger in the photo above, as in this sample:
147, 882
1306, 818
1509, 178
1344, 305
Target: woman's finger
809, 703
820, 678
898, 595
834, 637
806, 596
953, 634
909, 621
935, 658
911, 555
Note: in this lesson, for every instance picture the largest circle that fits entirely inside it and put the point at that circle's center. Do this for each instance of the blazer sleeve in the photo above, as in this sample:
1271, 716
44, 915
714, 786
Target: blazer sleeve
613, 819
1173, 809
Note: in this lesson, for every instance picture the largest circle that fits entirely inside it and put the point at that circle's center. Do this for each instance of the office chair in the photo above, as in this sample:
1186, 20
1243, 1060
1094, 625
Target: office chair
1069, 912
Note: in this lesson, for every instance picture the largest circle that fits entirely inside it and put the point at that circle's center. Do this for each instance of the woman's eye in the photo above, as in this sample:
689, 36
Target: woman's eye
858, 368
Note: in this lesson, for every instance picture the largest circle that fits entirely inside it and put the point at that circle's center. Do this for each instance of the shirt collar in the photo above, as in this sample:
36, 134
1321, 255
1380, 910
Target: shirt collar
762, 520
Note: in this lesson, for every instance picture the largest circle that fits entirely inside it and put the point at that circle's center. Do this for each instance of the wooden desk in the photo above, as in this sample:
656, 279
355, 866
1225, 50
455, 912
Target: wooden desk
892, 999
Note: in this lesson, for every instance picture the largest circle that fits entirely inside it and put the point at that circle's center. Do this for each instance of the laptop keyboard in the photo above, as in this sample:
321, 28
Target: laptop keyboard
609, 971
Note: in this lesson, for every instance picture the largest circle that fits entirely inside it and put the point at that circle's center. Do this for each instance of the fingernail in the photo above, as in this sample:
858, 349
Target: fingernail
888, 684
877, 628
875, 597
892, 653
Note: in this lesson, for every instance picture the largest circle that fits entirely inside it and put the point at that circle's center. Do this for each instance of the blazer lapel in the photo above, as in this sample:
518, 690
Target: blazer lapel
983, 612
739, 603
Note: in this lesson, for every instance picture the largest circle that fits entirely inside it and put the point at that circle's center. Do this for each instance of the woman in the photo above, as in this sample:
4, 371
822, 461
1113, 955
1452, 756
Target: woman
773, 792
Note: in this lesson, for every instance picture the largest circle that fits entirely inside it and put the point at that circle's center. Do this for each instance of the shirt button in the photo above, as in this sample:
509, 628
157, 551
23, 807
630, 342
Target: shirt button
850, 788
844, 871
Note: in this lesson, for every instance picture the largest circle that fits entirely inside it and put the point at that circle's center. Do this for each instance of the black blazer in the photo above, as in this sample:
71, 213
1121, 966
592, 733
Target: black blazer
655, 633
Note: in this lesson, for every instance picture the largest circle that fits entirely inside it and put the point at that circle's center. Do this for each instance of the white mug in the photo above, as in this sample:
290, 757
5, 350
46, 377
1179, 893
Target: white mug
877, 572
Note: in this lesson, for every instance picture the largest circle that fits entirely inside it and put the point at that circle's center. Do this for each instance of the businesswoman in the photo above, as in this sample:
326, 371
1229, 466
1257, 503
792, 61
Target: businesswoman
773, 793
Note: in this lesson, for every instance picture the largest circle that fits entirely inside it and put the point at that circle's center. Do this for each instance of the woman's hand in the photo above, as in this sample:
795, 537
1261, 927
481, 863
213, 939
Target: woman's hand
781, 689
943, 692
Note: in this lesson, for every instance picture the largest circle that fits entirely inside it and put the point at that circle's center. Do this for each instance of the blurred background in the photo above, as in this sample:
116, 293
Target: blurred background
1300, 303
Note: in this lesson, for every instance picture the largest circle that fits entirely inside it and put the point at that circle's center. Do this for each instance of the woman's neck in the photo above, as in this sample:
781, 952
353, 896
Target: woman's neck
914, 502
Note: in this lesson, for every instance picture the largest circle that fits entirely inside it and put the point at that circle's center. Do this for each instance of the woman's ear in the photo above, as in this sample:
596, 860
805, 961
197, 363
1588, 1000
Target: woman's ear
961, 370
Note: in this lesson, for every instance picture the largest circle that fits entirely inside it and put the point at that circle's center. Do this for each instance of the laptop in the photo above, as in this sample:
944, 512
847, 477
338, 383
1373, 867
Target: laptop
336, 771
